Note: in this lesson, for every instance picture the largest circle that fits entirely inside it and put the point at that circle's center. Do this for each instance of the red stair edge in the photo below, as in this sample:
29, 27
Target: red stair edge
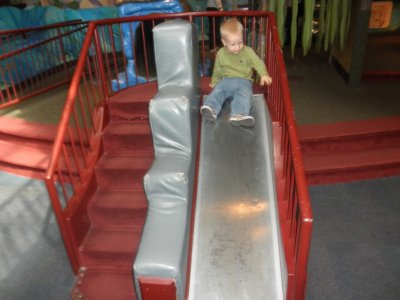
127, 209
352, 166
124, 127
16, 153
348, 129
143, 93
22, 171
345, 176
119, 198
23, 128
351, 159
95, 284
100, 239
109, 247
31, 159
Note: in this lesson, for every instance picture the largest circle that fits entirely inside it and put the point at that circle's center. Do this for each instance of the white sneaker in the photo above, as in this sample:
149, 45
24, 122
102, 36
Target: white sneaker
241, 120
208, 113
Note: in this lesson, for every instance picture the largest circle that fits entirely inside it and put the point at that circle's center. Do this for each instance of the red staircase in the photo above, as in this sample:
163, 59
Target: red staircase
117, 209
25, 146
349, 151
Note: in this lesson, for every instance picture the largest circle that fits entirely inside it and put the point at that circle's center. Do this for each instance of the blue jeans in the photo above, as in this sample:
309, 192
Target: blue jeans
239, 89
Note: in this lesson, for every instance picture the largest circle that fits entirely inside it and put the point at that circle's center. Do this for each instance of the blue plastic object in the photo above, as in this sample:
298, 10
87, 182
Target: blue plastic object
129, 31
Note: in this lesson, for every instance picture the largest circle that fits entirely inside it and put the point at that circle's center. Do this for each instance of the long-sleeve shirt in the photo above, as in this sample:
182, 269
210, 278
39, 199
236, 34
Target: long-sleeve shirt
239, 65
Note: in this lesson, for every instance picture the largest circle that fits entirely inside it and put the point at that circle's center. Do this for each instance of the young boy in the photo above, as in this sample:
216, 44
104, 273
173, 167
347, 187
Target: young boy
232, 76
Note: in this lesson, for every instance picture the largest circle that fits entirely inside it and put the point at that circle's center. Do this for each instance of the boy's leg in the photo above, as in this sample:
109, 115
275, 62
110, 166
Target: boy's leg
216, 98
241, 103
242, 98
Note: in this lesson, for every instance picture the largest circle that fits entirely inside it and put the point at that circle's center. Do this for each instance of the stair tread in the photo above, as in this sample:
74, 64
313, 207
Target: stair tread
142, 93
351, 159
125, 127
390, 125
126, 160
26, 129
112, 240
116, 198
118, 208
96, 284
20, 154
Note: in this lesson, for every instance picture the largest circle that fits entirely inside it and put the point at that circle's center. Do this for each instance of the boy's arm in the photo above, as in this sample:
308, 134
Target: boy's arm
260, 67
217, 72
265, 80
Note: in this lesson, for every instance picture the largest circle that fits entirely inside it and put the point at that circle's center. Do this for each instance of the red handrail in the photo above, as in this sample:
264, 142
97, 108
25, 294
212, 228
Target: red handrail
41, 28
306, 218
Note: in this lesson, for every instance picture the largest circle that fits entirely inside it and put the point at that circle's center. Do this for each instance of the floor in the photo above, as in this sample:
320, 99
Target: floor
320, 95
359, 260
33, 261
355, 247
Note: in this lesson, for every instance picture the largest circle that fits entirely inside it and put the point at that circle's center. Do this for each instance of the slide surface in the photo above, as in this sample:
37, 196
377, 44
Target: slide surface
237, 252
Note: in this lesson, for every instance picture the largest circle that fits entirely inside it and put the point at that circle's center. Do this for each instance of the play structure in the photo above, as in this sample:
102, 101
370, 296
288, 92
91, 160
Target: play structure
154, 203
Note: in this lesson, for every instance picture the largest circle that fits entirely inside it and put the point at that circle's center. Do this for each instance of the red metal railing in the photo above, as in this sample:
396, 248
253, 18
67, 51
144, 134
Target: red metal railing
293, 197
103, 59
36, 60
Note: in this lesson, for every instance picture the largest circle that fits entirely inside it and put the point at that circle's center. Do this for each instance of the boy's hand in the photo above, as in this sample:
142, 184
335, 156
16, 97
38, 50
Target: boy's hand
265, 80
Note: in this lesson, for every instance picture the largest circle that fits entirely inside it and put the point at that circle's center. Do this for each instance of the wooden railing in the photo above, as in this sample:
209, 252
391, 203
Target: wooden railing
36, 60
103, 59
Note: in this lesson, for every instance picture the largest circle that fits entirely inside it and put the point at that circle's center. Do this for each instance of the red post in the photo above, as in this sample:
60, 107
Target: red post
153, 288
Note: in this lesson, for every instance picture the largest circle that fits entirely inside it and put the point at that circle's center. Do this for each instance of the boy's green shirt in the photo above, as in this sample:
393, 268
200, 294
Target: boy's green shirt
239, 65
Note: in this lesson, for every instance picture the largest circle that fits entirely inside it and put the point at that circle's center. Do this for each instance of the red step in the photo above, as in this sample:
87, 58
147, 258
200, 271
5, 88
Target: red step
355, 135
26, 129
131, 104
25, 146
122, 170
104, 284
128, 136
349, 151
117, 207
21, 153
110, 247
323, 168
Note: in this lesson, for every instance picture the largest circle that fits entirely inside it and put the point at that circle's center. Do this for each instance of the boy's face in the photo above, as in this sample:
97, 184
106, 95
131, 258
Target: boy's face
233, 43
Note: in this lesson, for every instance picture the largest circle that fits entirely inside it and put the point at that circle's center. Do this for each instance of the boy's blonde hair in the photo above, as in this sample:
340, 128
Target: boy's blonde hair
231, 27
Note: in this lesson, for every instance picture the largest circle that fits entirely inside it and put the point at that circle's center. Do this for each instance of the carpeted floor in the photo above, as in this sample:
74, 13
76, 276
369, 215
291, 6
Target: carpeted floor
320, 95
355, 248
33, 261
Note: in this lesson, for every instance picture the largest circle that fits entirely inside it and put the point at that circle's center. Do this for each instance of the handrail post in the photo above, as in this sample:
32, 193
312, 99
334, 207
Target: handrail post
64, 57
101, 64
65, 233
302, 258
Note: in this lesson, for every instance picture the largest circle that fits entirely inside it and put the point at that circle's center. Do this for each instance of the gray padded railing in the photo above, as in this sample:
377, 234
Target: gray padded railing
173, 114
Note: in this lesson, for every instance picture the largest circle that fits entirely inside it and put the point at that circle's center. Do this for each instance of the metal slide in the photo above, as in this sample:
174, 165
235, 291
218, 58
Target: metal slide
237, 250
